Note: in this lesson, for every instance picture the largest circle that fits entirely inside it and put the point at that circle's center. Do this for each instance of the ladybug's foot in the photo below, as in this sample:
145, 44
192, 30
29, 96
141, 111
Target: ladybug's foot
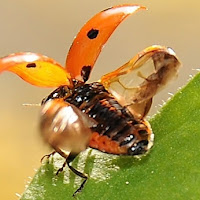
47, 156
80, 187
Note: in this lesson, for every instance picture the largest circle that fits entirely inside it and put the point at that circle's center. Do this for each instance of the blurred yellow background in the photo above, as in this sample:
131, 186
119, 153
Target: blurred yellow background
48, 27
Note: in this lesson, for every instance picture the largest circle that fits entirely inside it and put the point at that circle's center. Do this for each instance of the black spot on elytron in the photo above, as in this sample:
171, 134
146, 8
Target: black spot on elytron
31, 65
85, 72
92, 34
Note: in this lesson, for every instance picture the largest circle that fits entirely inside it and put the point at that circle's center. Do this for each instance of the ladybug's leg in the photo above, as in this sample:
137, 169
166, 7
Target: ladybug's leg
75, 171
69, 158
61, 169
47, 156
64, 155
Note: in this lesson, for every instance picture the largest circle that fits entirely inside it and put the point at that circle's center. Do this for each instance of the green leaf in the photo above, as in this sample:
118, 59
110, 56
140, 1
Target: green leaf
171, 170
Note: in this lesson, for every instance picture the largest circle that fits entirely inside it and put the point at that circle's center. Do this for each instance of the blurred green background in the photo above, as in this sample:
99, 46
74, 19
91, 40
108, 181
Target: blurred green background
48, 27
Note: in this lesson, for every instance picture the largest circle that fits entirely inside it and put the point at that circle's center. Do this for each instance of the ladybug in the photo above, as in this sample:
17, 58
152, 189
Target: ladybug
108, 115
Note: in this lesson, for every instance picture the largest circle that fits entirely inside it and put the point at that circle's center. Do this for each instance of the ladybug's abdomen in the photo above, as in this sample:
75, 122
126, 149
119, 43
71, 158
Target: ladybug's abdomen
116, 130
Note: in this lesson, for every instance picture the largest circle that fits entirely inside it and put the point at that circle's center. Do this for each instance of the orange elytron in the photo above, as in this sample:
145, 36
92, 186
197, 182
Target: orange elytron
107, 115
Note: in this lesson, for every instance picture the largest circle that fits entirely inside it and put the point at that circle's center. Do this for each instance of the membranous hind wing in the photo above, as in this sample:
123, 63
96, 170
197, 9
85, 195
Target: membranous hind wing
135, 83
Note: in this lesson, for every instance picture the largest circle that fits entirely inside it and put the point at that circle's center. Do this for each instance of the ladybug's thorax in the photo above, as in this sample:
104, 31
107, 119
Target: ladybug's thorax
116, 130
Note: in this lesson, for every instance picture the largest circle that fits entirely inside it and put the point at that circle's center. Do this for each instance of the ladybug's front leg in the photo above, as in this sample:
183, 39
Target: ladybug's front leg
47, 156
